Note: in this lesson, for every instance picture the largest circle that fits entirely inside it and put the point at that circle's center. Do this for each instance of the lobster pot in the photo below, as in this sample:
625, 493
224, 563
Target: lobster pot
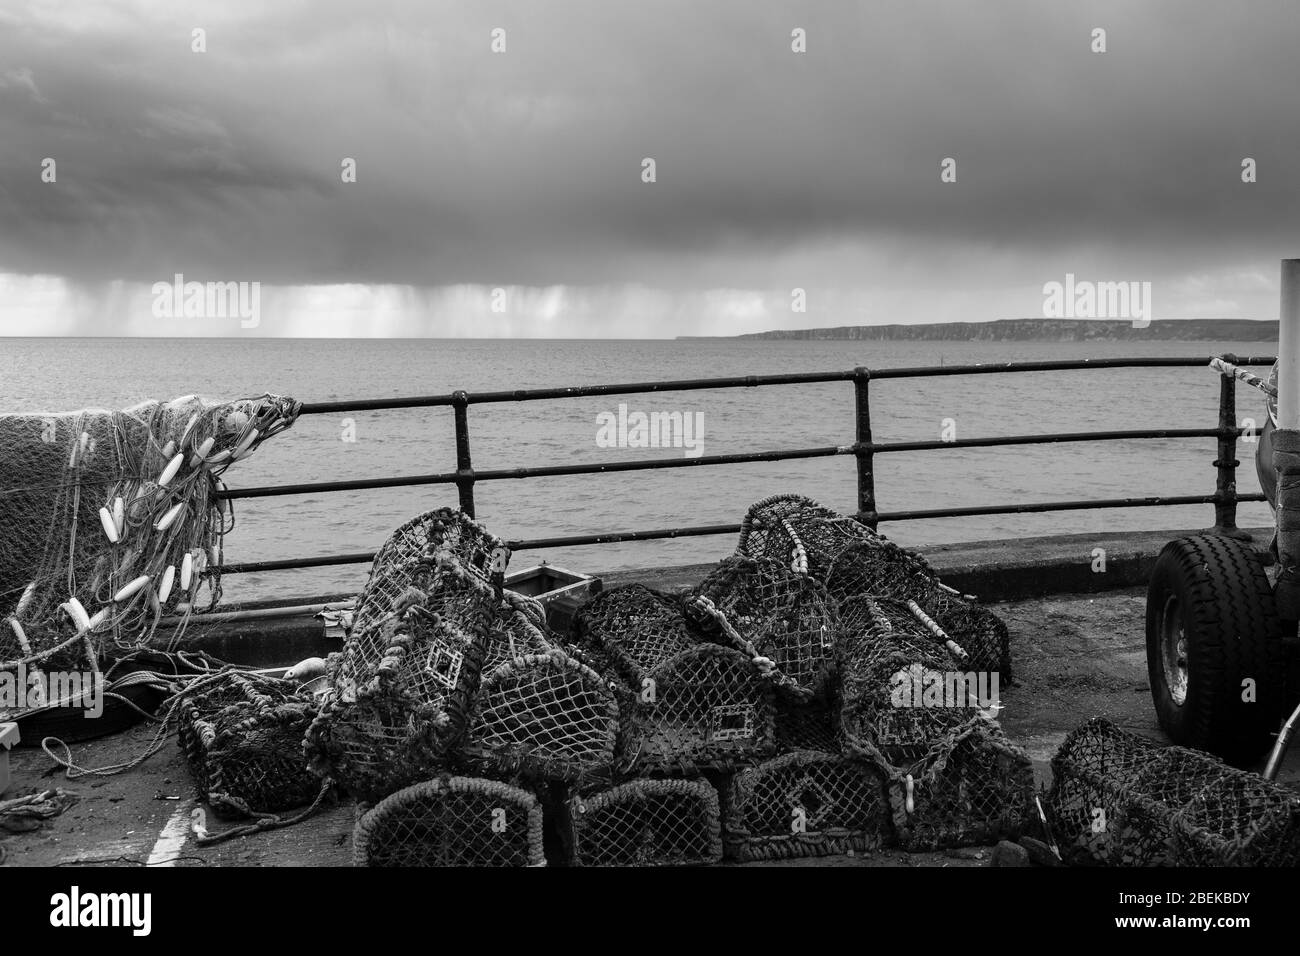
813, 726
900, 690
396, 727
647, 823
1121, 800
805, 804
242, 738
974, 787
1239, 820
768, 611
881, 568
634, 628
977, 630
543, 716
513, 633
798, 533
442, 539
708, 708
451, 821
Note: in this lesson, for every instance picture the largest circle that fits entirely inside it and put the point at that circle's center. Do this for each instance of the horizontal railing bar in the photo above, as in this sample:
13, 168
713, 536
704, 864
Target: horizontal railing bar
704, 530
826, 451
752, 381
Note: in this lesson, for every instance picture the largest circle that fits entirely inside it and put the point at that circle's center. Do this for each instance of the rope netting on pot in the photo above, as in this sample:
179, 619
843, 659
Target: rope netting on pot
451, 821
543, 716
385, 727
242, 737
785, 621
811, 726
883, 569
798, 533
635, 628
440, 543
707, 708
1119, 799
647, 823
109, 519
953, 777
805, 803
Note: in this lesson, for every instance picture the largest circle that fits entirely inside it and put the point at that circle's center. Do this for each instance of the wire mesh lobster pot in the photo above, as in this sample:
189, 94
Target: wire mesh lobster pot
708, 708
413, 555
242, 738
798, 533
634, 628
1239, 820
451, 821
890, 668
543, 716
805, 803
382, 730
1122, 800
974, 787
881, 568
647, 823
1095, 766
772, 613
813, 726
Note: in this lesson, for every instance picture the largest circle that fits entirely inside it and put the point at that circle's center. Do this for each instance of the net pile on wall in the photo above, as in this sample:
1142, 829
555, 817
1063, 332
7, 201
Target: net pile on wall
451, 821
785, 621
110, 518
242, 737
707, 708
544, 716
953, 777
805, 803
1122, 800
635, 629
384, 727
647, 823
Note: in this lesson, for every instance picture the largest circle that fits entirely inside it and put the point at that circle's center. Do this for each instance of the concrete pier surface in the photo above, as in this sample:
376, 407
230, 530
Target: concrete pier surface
1075, 655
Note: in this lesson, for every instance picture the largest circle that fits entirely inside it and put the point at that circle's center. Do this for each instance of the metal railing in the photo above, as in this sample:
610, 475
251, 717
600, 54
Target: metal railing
863, 449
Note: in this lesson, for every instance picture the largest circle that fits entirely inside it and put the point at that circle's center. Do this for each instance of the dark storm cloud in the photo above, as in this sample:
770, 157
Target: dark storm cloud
524, 167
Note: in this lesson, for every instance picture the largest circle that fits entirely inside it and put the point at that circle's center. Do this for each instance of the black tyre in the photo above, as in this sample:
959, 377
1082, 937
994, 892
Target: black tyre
1211, 626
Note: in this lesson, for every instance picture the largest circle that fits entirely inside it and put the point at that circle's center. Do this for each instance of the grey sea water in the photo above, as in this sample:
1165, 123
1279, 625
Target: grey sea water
63, 374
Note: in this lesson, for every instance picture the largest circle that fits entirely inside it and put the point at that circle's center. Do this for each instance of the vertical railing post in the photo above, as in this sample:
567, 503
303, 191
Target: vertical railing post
1225, 486
862, 448
464, 466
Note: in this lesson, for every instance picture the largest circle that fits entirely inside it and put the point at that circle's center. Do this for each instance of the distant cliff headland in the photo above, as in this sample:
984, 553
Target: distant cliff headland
1046, 330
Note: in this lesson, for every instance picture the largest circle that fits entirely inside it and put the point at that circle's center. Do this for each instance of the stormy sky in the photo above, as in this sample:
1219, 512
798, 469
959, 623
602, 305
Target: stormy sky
522, 170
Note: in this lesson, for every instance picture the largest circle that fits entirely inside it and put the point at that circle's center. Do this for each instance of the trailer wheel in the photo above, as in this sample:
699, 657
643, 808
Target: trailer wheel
1212, 629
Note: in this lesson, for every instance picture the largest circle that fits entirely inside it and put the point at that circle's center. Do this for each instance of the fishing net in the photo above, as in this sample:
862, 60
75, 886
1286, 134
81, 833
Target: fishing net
443, 544
1122, 800
242, 737
707, 708
647, 823
451, 821
385, 727
798, 533
635, 628
805, 804
110, 518
544, 716
785, 621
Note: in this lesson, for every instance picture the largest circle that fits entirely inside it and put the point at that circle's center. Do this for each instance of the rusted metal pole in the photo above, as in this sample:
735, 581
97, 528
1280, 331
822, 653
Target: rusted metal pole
464, 466
1225, 487
863, 450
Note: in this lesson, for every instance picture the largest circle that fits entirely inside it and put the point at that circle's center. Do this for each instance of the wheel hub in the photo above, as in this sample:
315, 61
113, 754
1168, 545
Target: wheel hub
1173, 651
